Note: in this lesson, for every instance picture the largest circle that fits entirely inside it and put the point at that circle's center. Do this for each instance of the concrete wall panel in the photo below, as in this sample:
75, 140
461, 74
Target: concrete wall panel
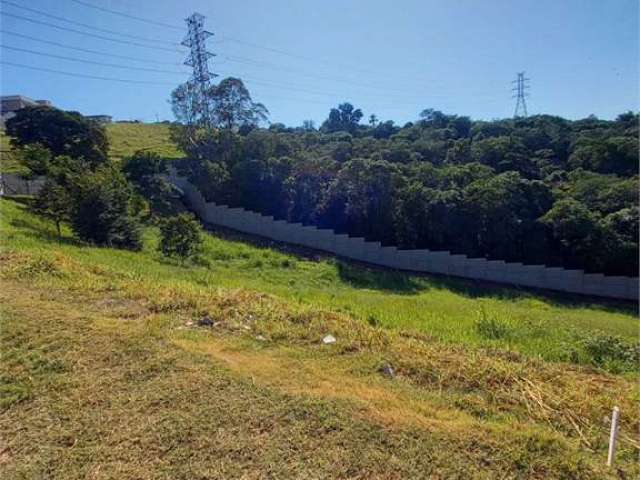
539, 276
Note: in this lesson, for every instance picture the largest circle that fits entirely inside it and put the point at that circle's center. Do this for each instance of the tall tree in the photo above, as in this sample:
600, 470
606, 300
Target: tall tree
60, 132
345, 118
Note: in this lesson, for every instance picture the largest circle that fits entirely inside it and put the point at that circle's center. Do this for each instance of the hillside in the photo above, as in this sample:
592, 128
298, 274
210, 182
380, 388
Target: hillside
153, 368
124, 140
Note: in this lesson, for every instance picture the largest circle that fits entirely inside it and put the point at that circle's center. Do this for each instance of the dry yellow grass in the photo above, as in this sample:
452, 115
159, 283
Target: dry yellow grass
116, 383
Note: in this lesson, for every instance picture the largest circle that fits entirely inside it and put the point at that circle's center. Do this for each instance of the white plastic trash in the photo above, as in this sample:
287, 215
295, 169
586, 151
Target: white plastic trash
329, 339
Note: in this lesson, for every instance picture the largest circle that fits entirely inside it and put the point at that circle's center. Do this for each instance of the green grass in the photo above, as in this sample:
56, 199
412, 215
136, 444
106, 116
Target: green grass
8, 163
105, 373
549, 327
126, 138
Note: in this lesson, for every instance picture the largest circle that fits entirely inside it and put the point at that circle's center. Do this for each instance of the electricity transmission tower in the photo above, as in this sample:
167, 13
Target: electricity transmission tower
521, 92
198, 59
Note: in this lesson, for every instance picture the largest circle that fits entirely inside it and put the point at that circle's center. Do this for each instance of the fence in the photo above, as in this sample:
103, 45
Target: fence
440, 262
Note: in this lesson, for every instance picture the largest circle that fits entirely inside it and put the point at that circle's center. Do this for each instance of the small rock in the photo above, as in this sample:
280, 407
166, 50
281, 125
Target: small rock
246, 327
260, 338
206, 321
329, 339
189, 324
387, 370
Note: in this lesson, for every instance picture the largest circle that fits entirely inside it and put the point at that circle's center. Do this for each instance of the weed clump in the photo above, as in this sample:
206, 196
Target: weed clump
490, 326
611, 352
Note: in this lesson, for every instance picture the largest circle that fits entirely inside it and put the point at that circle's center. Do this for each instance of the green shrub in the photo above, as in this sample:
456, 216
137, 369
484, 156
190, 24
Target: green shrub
611, 352
180, 236
102, 210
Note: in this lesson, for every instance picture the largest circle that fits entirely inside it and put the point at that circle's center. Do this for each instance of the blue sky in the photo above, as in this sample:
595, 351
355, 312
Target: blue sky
300, 58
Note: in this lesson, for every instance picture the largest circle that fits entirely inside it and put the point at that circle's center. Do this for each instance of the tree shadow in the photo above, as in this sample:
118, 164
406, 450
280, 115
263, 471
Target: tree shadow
45, 234
366, 277
402, 282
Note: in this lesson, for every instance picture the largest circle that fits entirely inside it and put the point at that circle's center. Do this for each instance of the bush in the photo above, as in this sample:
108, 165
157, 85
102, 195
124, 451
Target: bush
180, 236
611, 351
102, 210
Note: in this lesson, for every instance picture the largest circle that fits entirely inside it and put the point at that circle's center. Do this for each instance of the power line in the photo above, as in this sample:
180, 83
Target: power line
112, 65
233, 39
315, 60
139, 82
126, 15
51, 25
86, 50
85, 25
82, 75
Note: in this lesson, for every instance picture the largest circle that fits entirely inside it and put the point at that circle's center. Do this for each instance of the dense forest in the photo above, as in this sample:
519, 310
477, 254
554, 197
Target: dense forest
540, 189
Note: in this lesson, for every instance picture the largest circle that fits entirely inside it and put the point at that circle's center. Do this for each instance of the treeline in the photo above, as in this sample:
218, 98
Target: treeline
104, 202
541, 189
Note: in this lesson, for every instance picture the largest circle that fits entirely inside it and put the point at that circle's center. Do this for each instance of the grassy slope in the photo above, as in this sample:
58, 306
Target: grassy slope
124, 138
104, 376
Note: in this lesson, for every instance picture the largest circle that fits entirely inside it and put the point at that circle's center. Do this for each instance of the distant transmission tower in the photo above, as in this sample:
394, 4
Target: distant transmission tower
198, 59
521, 92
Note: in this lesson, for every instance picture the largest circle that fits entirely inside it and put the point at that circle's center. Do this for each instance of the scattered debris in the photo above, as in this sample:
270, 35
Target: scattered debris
329, 339
387, 370
206, 321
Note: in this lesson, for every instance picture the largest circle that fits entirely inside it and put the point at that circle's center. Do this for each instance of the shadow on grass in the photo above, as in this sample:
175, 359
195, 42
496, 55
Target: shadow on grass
45, 234
360, 276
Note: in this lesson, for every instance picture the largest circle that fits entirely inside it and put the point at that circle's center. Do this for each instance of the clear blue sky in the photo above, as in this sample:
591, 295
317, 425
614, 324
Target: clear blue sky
389, 58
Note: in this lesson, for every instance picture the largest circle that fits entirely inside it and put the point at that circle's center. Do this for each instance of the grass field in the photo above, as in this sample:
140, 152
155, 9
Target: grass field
124, 139
106, 372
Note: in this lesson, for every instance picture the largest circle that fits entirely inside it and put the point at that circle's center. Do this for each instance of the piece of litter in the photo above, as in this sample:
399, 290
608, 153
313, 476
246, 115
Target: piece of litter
387, 370
206, 321
260, 338
329, 339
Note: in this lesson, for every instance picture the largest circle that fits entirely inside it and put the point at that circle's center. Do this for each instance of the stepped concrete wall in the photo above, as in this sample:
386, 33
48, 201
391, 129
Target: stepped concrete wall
11, 184
427, 261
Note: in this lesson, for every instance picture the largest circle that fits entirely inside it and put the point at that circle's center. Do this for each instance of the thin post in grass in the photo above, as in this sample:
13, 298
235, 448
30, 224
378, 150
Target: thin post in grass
612, 436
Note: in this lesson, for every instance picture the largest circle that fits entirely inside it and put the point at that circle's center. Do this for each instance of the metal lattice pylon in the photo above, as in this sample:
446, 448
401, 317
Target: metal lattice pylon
521, 92
198, 59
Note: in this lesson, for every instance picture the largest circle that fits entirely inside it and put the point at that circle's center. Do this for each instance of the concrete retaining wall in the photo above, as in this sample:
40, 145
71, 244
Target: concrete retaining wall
441, 262
11, 184
538, 276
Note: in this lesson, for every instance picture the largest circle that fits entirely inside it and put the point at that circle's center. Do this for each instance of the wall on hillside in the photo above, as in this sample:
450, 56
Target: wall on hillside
441, 262
11, 184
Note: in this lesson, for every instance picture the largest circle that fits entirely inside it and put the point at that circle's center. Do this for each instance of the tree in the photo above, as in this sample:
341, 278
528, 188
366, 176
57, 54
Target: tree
60, 132
232, 105
345, 118
180, 236
102, 211
53, 202
308, 125
577, 232
373, 120
146, 171
229, 104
